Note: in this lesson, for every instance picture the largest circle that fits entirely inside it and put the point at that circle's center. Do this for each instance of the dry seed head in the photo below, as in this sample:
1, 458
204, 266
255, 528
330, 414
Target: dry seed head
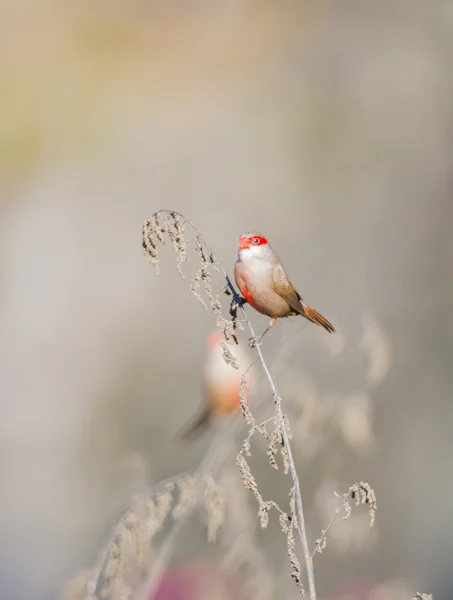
249, 483
285, 459
294, 562
205, 256
246, 412
194, 288
132, 550
157, 229
187, 498
284, 521
114, 557
158, 510
360, 493
130, 521
226, 326
206, 281
321, 542
263, 514
275, 440
246, 448
174, 225
242, 552
363, 493
277, 400
149, 244
229, 357
271, 457
215, 506
216, 305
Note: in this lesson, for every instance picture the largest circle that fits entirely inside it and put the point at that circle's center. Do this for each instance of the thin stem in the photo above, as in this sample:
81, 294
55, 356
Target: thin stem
324, 533
92, 589
160, 563
299, 506
207, 466
300, 511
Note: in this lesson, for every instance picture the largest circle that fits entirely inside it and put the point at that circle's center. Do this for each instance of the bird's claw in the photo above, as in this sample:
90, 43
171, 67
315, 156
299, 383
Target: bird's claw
254, 341
237, 302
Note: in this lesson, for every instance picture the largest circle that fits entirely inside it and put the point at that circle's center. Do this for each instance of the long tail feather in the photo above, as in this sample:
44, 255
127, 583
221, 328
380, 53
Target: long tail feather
315, 317
196, 426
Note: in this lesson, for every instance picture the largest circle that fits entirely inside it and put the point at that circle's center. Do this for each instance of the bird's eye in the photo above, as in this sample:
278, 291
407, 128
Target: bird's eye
256, 240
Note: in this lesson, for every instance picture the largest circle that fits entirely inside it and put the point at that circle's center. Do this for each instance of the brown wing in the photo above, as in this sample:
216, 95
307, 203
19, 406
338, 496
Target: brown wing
284, 288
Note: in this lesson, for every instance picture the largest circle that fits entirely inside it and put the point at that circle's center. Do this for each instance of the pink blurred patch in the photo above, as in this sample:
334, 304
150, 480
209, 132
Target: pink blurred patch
198, 581
215, 338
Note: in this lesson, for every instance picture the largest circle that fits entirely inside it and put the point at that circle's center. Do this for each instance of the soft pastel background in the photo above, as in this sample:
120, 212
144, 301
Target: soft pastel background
327, 126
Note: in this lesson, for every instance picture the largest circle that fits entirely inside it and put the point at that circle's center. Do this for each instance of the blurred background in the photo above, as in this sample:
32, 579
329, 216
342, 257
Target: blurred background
326, 126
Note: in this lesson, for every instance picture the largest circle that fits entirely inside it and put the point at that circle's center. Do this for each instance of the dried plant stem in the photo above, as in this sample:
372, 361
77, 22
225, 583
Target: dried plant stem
93, 585
175, 229
321, 540
162, 559
299, 505
361, 493
300, 511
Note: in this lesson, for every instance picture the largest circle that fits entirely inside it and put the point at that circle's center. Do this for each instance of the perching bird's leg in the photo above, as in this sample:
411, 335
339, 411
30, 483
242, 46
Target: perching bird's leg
236, 303
253, 341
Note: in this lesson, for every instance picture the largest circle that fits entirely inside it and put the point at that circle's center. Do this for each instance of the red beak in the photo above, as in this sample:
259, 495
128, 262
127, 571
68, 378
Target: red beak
244, 242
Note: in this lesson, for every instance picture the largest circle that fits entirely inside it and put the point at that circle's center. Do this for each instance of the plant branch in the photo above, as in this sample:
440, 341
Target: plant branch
150, 246
300, 511
93, 585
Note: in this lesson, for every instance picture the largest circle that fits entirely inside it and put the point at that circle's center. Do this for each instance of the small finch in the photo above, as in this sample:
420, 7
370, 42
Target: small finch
221, 384
263, 283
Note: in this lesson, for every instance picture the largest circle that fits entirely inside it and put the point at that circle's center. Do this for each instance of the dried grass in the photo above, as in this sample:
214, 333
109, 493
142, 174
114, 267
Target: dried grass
133, 561
174, 225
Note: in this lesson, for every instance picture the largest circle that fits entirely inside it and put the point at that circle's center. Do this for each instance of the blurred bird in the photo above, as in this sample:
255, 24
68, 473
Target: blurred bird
221, 384
264, 284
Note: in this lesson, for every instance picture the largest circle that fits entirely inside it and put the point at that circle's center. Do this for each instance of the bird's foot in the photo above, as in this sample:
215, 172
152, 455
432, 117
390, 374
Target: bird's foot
254, 341
237, 302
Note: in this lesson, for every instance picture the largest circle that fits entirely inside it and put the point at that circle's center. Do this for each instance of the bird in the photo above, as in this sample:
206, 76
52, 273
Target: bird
264, 284
220, 384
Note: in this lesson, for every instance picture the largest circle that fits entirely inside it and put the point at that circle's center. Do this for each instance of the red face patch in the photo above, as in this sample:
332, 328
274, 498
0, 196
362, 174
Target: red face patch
247, 241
